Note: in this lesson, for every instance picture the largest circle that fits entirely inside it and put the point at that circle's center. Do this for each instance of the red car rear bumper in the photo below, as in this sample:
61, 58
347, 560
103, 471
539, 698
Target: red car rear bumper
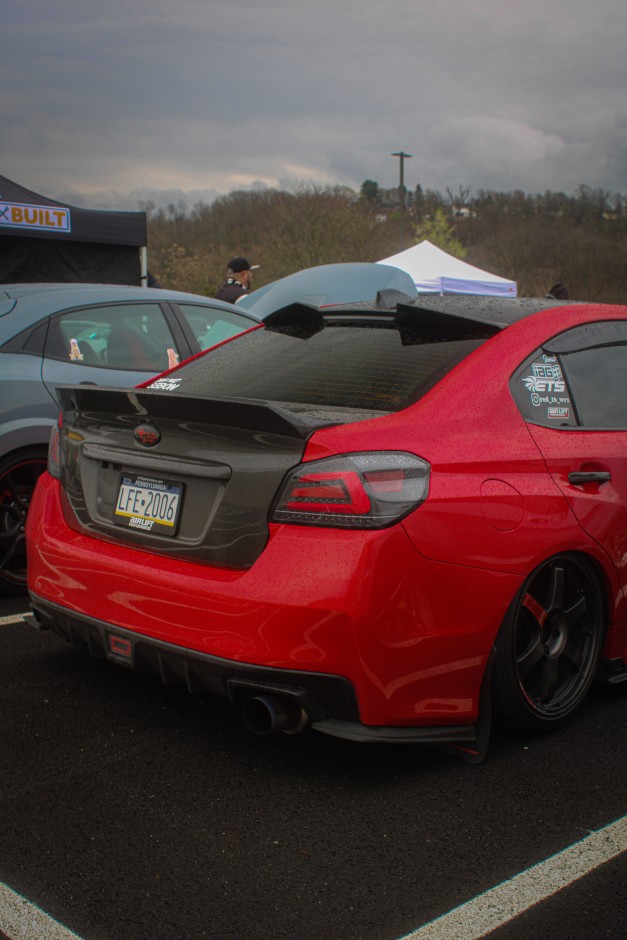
412, 637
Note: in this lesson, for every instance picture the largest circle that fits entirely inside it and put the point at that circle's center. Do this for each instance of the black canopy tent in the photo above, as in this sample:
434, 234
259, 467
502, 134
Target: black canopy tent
43, 240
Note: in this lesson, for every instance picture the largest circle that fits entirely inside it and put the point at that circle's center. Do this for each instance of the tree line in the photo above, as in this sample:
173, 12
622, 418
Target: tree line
579, 240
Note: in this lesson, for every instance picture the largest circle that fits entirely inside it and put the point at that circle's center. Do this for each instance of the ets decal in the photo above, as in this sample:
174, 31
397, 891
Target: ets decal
547, 389
545, 377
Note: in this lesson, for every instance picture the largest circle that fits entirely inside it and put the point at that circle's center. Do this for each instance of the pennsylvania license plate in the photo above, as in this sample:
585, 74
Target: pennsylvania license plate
148, 505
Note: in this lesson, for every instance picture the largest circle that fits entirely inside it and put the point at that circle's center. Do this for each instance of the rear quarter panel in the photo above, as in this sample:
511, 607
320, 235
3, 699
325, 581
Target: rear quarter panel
492, 503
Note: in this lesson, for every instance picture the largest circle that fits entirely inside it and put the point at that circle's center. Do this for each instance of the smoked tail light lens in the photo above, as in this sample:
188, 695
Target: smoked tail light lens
54, 451
353, 491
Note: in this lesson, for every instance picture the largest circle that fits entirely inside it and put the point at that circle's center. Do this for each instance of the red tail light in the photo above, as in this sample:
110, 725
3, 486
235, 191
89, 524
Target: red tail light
328, 493
361, 491
54, 450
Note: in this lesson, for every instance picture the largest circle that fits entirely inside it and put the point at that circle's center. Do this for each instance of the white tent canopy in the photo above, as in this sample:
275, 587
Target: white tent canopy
436, 272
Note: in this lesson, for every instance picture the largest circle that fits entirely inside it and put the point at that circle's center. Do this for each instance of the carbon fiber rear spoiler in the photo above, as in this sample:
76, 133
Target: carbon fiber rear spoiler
297, 421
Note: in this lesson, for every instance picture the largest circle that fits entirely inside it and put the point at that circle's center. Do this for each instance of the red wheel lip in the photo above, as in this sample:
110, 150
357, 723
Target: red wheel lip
535, 608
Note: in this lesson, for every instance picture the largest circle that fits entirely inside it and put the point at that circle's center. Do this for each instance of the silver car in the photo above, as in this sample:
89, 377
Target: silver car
92, 334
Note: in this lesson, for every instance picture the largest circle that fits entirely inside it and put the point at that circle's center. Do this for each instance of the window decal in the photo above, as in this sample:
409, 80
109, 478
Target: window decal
547, 390
165, 385
559, 414
75, 352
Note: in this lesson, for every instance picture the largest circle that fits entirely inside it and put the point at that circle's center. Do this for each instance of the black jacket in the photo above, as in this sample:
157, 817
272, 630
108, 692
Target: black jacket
230, 290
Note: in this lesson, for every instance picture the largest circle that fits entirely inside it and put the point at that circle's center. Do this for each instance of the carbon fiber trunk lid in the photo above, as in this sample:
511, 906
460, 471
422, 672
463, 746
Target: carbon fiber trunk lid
221, 461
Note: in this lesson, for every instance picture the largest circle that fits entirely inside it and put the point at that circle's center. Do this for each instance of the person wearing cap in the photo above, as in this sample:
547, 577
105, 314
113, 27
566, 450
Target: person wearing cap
239, 277
558, 292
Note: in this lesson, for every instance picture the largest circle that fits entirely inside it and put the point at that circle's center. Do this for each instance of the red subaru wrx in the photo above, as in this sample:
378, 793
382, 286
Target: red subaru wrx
383, 520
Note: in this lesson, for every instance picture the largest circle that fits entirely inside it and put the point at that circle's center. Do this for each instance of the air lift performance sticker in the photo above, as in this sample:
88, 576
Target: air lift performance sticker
558, 414
547, 389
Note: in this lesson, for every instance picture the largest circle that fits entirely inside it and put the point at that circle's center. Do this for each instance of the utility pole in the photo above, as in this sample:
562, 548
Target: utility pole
401, 195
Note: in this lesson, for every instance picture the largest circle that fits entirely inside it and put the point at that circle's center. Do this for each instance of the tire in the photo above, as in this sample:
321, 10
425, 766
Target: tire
19, 473
548, 648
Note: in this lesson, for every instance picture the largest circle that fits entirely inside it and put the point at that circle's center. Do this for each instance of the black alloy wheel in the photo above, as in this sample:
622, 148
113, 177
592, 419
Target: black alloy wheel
18, 475
549, 646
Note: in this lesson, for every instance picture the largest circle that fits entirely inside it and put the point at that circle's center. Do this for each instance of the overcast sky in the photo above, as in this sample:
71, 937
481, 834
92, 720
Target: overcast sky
198, 95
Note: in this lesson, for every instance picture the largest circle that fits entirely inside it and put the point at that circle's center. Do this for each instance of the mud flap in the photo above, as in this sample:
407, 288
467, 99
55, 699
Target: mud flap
477, 752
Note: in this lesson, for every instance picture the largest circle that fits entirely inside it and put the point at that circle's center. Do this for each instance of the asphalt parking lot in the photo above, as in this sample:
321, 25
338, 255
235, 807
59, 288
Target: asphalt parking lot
132, 810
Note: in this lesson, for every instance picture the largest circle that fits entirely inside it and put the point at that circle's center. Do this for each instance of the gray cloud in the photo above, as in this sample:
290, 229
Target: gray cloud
151, 95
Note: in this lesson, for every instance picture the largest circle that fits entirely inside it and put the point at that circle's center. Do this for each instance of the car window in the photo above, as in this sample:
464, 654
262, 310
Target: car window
375, 365
578, 379
133, 337
211, 325
30, 341
541, 392
598, 379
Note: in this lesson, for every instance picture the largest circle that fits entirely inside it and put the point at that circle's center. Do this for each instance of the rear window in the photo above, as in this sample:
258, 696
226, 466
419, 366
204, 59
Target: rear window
374, 365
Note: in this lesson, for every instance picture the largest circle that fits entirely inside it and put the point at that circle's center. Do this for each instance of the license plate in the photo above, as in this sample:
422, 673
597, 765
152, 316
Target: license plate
148, 505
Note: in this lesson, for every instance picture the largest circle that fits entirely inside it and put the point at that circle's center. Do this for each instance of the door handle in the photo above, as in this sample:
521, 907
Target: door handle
581, 477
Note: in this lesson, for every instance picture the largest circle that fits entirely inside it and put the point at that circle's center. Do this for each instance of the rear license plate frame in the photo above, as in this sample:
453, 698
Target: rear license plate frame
131, 513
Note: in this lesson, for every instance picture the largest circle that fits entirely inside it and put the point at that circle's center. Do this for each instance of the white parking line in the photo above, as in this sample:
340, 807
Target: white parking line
12, 618
21, 920
498, 905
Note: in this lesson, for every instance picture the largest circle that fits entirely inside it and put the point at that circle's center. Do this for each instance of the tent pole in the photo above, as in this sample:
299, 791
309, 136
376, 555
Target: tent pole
143, 255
